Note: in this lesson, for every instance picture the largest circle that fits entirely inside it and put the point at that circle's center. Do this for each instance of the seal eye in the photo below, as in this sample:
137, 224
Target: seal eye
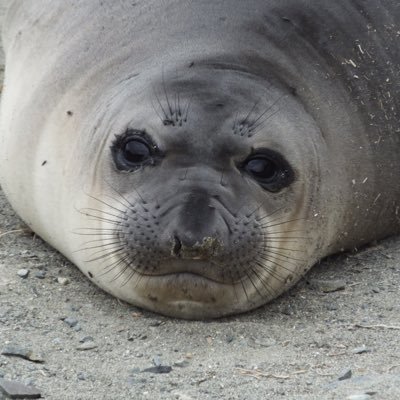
134, 149
261, 168
271, 171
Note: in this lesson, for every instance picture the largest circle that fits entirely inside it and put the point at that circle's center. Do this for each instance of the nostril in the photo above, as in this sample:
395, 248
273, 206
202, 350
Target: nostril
176, 249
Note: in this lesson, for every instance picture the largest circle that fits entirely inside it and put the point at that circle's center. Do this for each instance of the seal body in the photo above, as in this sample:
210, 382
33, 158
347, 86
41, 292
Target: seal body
196, 158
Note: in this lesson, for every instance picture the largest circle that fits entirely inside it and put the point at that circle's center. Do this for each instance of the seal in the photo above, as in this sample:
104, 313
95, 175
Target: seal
197, 158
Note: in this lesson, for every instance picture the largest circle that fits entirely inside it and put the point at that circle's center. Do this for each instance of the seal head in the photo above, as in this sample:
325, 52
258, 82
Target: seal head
200, 203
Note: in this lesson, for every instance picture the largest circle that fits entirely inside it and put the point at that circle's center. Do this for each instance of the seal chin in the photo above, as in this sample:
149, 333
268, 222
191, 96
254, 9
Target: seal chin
192, 296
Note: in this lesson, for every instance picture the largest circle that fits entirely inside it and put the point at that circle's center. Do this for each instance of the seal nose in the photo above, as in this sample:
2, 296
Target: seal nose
195, 250
194, 236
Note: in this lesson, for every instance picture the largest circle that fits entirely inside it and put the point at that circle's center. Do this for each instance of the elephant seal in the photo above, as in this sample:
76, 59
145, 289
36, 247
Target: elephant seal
196, 158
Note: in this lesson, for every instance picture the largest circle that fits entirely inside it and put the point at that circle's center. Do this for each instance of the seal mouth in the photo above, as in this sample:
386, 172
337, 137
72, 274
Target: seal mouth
197, 270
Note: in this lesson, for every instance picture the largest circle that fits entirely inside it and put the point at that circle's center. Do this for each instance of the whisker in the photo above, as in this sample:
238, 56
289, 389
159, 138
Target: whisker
128, 203
267, 287
284, 249
253, 284
121, 260
130, 276
287, 260
84, 210
250, 112
267, 225
156, 111
165, 93
104, 203
161, 106
112, 232
108, 221
244, 290
268, 109
285, 232
255, 129
269, 214
99, 246
275, 263
106, 255
189, 103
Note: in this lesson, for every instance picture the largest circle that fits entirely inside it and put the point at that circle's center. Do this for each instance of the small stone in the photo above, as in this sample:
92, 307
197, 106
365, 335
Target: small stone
345, 374
155, 324
82, 376
229, 338
161, 369
71, 321
157, 361
16, 390
23, 273
62, 281
85, 339
181, 363
87, 346
360, 350
363, 396
40, 274
21, 352
182, 396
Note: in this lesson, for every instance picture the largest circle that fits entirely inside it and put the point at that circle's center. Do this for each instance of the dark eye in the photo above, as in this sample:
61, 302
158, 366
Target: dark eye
133, 150
271, 171
261, 168
136, 151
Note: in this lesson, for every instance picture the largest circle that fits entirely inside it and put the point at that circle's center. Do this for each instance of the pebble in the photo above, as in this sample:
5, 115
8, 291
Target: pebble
360, 350
23, 273
345, 374
85, 339
63, 281
87, 346
71, 321
40, 274
157, 361
363, 396
182, 396
82, 376
160, 369
230, 338
21, 352
181, 363
16, 390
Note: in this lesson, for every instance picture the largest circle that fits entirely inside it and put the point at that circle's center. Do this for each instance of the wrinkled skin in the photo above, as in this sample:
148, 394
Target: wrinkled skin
205, 87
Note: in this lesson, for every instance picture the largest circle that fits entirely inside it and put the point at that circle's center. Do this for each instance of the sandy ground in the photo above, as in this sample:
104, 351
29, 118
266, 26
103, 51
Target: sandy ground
94, 347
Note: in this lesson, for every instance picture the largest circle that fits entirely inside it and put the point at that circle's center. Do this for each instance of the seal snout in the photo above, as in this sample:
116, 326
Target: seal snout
194, 233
